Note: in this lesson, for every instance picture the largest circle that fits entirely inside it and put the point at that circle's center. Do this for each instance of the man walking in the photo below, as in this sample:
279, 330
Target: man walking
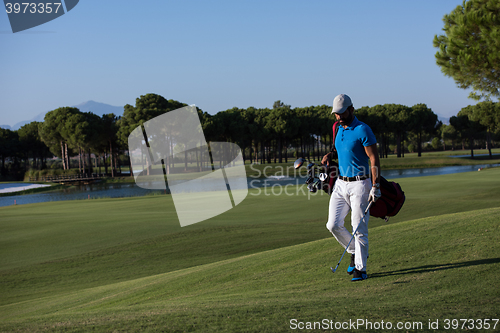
356, 145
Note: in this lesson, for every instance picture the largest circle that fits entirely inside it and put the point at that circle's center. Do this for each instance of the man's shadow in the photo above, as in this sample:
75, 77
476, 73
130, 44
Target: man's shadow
434, 268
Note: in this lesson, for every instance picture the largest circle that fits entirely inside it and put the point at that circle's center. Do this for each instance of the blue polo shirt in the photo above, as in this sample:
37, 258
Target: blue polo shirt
350, 143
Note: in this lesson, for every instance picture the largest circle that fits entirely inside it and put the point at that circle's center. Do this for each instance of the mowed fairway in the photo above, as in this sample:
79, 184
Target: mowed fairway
127, 265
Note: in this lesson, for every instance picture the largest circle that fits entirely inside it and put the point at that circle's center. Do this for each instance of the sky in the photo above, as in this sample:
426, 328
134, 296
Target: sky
223, 54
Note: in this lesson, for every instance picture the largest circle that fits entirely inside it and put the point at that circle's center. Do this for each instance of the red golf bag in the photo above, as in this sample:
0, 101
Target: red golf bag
391, 201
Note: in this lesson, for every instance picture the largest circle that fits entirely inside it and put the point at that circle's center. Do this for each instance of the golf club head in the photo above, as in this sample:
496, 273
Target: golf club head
310, 165
312, 188
322, 176
298, 163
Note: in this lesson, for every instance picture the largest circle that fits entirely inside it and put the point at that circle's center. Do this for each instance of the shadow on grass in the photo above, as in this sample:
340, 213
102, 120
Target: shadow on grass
434, 268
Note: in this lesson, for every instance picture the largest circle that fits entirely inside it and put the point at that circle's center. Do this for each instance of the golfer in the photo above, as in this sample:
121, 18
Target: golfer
357, 184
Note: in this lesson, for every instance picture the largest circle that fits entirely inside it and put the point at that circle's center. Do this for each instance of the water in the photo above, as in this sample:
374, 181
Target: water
404, 173
81, 192
119, 190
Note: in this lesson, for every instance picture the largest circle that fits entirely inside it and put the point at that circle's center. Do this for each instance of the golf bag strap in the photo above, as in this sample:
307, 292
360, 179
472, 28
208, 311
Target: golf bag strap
335, 131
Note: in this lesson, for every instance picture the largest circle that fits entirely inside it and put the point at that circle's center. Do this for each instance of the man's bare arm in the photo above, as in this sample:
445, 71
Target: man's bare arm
372, 153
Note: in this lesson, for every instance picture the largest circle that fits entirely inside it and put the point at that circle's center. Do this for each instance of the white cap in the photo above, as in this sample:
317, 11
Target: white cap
341, 103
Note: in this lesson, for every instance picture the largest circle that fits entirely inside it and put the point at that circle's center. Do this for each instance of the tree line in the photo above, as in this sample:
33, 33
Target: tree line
475, 122
265, 135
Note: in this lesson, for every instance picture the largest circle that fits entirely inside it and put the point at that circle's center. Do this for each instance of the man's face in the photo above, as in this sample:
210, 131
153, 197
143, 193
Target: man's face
346, 117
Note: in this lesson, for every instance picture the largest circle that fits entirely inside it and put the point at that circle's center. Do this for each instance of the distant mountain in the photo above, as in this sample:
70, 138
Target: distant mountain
444, 120
100, 108
5, 126
20, 124
89, 106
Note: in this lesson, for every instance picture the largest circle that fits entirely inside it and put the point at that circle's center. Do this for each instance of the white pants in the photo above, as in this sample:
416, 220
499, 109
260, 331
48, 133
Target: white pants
351, 196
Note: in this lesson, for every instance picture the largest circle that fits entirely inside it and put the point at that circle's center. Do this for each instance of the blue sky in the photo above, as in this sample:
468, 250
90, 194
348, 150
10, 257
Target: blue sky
221, 54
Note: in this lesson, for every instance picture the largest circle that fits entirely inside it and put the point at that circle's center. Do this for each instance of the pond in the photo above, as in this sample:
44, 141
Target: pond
403, 173
118, 190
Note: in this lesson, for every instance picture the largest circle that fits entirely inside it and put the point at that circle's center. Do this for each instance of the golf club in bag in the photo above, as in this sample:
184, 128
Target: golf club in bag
354, 233
319, 177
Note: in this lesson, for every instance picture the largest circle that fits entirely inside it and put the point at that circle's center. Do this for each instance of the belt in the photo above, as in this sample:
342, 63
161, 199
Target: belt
353, 179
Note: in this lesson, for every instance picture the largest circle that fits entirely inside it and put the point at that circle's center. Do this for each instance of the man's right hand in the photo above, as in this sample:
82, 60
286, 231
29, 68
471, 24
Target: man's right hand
327, 158
374, 194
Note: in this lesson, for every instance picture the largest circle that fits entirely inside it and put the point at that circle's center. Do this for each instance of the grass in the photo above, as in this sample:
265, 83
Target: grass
126, 265
418, 277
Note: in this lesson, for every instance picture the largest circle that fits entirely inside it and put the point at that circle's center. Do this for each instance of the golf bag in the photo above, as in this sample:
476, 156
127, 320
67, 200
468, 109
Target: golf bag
391, 201
332, 169
319, 177
332, 172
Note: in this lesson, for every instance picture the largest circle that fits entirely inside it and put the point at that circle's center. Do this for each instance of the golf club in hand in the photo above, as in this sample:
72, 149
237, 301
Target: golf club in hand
354, 233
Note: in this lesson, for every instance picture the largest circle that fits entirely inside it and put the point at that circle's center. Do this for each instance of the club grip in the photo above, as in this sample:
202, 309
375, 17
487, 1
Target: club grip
368, 207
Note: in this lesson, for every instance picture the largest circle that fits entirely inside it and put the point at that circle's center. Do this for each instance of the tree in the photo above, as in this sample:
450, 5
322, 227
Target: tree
55, 134
109, 136
469, 51
379, 123
435, 143
486, 114
398, 117
279, 104
146, 107
467, 127
237, 129
228, 126
422, 120
449, 133
252, 129
284, 125
9, 148
94, 142
325, 121
31, 145
262, 135
75, 131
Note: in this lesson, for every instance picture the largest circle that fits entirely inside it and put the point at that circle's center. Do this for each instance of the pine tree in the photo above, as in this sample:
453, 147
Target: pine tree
469, 51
